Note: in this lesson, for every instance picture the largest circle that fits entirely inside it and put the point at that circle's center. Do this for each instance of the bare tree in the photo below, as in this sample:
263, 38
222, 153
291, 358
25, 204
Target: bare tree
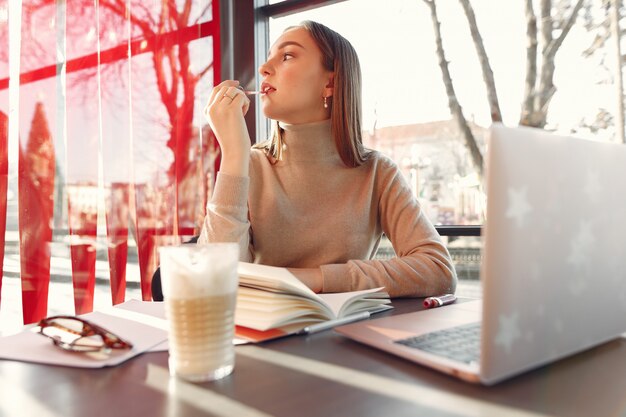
175, 80
531, 60
540, 87
172, 69
490, 84
615, 31
453, 103
606, 28
555, 24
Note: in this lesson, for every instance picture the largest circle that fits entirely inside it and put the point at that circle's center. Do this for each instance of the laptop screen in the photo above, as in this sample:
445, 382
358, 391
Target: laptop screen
553, 274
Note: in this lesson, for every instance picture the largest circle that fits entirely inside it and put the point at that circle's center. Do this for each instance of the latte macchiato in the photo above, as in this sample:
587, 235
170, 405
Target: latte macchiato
201, 334
200, 291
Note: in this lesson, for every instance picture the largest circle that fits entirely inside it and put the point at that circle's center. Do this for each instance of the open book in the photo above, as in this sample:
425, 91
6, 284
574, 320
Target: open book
272, 302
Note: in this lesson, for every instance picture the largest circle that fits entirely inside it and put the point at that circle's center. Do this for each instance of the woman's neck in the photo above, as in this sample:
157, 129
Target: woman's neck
308, 141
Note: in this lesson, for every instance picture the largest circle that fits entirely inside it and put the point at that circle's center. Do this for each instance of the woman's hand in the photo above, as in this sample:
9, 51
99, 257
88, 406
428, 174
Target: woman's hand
225, 112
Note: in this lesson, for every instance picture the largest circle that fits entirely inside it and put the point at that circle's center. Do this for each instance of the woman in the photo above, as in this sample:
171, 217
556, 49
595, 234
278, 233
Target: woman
312, 198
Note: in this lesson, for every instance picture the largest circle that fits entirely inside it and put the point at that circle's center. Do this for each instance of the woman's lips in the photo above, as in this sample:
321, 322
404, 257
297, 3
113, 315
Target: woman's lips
267, 88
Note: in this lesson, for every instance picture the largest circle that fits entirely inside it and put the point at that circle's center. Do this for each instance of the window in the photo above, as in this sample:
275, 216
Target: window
108, 152
406, 110
406, 113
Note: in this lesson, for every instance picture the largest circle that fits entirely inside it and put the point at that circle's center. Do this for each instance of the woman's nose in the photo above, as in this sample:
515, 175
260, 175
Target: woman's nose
265, 69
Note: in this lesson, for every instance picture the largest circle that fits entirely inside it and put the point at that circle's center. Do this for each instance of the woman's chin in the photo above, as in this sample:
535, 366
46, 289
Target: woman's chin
270, 113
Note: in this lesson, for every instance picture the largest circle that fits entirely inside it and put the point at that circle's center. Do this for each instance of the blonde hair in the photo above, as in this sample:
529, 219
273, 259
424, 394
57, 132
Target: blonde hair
338, 56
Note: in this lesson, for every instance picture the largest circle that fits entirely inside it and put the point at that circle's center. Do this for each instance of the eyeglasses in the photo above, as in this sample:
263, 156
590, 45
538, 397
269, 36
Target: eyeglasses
78, 335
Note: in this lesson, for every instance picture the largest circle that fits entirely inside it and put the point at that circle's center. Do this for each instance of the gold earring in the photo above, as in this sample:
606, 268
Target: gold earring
325, 102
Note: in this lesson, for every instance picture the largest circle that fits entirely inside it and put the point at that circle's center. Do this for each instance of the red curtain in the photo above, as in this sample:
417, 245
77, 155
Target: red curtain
4, 128
82, 144
125, 112
171, 73
116, 141
36, 164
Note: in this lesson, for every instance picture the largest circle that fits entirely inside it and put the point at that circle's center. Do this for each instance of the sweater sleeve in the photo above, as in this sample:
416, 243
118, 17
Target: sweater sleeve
422, 266
227, 215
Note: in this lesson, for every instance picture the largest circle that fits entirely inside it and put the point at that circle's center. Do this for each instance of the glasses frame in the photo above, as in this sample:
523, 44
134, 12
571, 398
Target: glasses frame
109, 340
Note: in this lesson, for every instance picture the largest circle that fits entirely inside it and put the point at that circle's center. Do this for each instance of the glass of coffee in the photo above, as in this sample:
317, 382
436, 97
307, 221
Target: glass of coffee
200, 290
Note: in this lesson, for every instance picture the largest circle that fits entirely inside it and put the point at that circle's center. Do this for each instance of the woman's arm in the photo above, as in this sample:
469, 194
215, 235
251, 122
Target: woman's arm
227, 210
226, 219
422, 267
225, 111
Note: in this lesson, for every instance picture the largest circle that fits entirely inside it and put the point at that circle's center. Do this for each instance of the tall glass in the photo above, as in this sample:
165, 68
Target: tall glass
200, 289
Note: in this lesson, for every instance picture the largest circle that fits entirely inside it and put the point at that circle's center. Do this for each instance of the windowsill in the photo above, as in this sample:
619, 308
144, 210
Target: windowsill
459, 230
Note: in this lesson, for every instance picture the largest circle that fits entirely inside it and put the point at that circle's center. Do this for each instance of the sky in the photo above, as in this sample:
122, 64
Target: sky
402, 79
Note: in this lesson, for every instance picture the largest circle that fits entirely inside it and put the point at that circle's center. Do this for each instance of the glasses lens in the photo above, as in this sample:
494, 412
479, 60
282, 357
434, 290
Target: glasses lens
75, 334
65, 324
71, 334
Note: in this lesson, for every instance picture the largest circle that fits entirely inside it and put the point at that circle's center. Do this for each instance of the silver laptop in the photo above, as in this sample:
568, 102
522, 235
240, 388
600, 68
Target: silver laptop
553, 271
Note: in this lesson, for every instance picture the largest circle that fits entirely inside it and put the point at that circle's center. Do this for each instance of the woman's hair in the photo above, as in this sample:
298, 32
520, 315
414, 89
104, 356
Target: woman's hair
338, 56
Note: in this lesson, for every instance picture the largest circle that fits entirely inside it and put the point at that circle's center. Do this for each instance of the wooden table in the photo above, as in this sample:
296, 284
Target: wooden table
318, 375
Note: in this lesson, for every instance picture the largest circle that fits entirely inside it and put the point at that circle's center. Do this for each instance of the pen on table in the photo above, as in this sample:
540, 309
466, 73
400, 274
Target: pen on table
314, 328
440, 300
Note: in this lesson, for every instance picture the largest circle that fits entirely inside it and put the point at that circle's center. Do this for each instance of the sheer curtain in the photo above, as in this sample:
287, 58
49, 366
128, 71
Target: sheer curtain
114, 157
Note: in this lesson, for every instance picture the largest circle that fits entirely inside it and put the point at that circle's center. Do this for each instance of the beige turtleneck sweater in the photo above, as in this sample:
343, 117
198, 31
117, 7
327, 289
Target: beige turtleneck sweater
311, 211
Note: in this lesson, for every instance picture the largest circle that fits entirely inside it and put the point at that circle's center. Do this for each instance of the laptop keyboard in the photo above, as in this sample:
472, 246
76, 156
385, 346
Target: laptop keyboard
459, 343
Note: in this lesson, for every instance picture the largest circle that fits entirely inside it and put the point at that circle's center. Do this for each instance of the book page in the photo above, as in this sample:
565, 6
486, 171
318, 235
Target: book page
263, 301
263, 310
271, 278
272, 297
337, 301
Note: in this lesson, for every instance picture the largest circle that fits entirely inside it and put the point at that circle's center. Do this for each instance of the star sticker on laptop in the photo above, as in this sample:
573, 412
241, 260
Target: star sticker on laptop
581, 245
518, 207
508, 331
592, 187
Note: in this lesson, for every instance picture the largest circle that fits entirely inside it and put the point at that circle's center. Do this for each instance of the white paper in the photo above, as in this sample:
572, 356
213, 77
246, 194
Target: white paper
138, 322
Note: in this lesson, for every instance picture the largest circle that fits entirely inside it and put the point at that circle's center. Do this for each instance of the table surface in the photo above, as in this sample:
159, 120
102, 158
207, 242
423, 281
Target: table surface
322, 374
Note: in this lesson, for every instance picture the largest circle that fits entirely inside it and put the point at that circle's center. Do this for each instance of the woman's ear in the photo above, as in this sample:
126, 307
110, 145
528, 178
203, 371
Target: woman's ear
330, 86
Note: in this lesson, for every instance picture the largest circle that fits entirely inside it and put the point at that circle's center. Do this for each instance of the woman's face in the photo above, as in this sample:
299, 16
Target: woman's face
295, 80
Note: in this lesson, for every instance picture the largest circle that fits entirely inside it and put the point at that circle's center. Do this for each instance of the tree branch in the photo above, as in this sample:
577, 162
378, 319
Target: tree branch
119, 8
204, 71
531, 64
186, 11
615, 29
544, 93
164, 92
490, 84
175, 71
453, 103
545, 10
206, 9
556, 43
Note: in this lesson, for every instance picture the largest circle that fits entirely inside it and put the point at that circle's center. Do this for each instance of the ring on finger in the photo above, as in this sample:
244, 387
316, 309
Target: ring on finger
230, 97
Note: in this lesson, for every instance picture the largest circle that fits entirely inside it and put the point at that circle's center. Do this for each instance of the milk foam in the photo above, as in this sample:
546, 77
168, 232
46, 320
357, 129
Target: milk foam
192, 271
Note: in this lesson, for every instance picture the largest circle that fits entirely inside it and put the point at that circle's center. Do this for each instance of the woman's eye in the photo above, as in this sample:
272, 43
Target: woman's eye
287, 56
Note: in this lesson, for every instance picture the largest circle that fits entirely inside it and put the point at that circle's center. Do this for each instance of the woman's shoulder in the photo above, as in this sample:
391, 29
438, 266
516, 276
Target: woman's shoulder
384, 170
257, 152
261, 159
260, 154
380, 161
